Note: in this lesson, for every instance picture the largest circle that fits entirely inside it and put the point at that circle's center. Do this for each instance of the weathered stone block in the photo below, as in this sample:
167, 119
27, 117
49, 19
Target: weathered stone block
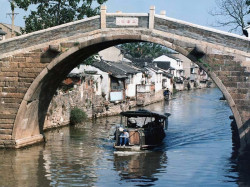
26, 80
11, 95
223, 73
242, 102
46, 60
32, 60
37, 51
22, 90
6, 131
10, 69
236, 73
23, 84
7, 116
243, 85
31, 65
7, 59
9, 79
27, 75
230, 84
6, 126
37, 55
4, 121
9, 110
10, 89
12, 100
5, 137
18, 59
221, 57
11, 105
10, 65
233, 78
67, 45
243, 108
231, 68
8, 74
242, 90
11, 84
7, 143
238, 96
231, 63
32, 70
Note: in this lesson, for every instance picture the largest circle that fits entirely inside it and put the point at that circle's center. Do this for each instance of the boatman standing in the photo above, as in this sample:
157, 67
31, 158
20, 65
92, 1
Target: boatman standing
166, 94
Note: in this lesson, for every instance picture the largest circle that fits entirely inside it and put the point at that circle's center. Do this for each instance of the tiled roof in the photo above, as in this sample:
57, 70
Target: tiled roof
163, 65
142, 65
118, 70
2, 32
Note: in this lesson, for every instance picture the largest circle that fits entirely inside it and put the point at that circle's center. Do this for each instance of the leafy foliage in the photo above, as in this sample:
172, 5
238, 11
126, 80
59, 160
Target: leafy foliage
77, 116
143, 50
50, 13
91, 59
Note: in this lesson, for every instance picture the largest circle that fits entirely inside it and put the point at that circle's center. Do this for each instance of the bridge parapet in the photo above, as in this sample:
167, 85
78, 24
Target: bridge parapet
147, 21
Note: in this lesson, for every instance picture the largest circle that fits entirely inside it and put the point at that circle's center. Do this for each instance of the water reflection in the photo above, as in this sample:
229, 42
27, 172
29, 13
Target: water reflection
140, 167
197, 151
23, 167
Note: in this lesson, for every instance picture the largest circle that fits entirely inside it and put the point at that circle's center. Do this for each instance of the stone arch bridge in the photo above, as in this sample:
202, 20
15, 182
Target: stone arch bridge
33, 65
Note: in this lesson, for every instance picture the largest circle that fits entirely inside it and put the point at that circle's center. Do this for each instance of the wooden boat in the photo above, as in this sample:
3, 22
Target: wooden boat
146, 130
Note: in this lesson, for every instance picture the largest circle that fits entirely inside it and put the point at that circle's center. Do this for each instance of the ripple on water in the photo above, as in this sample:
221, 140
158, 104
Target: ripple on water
197, 151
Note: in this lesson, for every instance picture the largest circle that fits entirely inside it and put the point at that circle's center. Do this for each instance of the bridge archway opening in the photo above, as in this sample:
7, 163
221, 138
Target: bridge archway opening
34, 107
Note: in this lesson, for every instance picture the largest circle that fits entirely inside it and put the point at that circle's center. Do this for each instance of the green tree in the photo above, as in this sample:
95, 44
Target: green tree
50, 13
143, 50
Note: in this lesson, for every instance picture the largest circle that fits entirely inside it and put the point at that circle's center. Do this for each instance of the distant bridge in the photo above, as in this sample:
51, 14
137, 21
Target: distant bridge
33, 65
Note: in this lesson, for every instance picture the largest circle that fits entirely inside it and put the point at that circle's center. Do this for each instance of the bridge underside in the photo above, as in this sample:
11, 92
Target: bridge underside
31, 73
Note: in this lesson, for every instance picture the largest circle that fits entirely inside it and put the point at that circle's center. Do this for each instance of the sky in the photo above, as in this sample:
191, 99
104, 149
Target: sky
193, 11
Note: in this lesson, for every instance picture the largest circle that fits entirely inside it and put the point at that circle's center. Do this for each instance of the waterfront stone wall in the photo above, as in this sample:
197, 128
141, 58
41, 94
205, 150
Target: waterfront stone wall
95, 106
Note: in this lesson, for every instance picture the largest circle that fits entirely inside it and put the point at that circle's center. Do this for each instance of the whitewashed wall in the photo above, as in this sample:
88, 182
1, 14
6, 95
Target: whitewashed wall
156, 78
103, 83
168, 84
131, 85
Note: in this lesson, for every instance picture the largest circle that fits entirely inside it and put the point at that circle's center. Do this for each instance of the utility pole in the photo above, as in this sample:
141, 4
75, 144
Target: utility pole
12, 16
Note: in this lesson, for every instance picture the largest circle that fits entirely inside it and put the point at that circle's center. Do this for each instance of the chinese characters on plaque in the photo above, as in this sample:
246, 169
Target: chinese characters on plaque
126, 21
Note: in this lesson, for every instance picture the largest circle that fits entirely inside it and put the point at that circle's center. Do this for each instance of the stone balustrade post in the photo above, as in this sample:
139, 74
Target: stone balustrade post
151, 17
103, 16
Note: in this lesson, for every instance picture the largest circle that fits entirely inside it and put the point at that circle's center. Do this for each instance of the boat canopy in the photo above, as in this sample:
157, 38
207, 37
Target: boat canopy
144, 113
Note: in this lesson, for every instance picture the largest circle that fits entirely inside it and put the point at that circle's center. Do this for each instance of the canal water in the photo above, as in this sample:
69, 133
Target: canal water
197, 151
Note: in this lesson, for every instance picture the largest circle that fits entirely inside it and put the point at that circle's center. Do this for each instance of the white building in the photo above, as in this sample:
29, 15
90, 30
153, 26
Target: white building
115, 81
155, 78
176, 65
100, 78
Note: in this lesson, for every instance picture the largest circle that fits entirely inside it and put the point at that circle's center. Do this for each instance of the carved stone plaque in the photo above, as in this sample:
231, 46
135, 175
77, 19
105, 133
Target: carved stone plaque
127, 21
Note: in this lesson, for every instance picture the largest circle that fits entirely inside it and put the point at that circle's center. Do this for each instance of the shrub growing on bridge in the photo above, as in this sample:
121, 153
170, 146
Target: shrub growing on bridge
77, 116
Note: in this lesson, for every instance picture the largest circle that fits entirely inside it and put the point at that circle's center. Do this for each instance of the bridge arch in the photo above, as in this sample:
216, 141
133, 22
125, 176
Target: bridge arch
41, 91
223, 63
